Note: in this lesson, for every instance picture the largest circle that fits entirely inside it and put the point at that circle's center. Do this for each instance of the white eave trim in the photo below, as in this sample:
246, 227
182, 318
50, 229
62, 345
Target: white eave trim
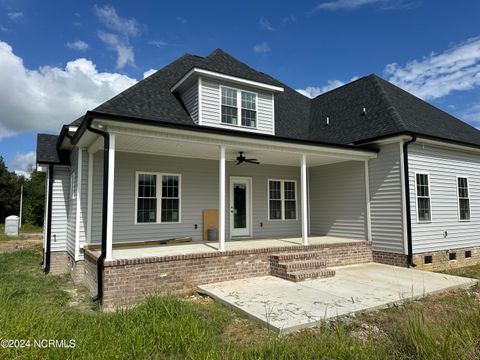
219, 76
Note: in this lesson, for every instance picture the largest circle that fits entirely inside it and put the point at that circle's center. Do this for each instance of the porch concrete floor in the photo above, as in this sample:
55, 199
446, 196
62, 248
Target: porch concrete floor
286, 306
197, 247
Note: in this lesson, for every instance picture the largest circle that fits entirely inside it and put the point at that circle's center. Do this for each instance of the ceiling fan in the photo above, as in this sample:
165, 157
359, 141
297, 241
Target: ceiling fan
242, 159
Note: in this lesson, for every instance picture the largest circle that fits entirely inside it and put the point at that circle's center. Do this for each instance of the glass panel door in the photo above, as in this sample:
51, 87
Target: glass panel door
240, 206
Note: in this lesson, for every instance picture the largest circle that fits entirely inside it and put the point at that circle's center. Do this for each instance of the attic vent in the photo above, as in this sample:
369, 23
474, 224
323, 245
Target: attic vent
364, 111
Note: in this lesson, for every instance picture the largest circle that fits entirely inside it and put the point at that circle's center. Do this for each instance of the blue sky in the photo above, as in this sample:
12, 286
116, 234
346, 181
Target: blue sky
59, 59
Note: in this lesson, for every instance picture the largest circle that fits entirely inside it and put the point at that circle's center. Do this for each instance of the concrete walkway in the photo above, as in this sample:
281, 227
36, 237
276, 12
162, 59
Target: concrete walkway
285, 306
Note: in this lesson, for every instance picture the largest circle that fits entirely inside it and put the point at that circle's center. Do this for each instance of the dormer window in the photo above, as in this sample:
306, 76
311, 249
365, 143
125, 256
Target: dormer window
229, 106
232, 101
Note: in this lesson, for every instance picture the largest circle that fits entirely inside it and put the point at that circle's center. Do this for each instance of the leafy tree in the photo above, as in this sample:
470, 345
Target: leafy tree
33, 195
34, 198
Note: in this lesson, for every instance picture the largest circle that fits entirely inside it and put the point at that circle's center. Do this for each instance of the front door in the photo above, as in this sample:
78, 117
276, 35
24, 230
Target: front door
240, 207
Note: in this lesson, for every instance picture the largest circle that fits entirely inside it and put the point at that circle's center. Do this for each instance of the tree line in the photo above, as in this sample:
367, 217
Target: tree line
33, 195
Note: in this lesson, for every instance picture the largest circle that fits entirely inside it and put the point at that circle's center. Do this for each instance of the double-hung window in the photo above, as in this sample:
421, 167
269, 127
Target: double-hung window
236, 101
282, 200
158, 198
463, 199
229, 106
423, 198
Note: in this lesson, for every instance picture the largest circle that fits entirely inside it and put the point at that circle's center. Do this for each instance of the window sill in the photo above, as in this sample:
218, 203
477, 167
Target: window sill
239, 126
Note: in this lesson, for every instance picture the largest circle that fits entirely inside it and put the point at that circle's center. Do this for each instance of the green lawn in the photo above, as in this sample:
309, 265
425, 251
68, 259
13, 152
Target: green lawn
35, 306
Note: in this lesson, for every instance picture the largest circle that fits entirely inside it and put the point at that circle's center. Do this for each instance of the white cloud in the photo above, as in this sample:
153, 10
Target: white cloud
437, 75
148, 73
124, 51
354, 4
289, 19
15, 16
472, 114
121, 31
314, 91
3, 28
23, 163
181, 19
265, 24
261, 48
109, 17
47, 97
77, 45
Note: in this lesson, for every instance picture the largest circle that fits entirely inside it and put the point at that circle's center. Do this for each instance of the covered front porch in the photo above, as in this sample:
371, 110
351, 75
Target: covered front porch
299, 193
196, 247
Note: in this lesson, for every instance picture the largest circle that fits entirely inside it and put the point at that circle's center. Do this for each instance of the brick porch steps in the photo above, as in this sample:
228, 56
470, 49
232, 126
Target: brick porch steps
299, 266
301, 275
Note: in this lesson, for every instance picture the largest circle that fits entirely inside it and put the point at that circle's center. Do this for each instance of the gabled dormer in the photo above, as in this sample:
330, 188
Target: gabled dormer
229, 102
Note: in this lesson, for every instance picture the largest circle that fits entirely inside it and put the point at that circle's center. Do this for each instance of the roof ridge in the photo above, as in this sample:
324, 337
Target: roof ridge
339, 87
391, 108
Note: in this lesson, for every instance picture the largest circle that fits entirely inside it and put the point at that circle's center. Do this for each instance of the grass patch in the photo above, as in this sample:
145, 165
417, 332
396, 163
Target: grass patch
26, 229
35, 306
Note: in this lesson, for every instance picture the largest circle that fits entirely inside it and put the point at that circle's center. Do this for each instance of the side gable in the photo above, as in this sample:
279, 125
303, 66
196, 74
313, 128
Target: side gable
47, 152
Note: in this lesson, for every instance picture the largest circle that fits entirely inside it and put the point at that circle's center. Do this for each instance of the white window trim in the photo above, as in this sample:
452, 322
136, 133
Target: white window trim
239, 107
282, 199
429, 197
458, 197
159, 198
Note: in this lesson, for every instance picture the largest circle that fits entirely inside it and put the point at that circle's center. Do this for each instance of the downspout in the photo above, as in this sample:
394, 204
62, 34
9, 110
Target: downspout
407, 201
49, 221
101, 258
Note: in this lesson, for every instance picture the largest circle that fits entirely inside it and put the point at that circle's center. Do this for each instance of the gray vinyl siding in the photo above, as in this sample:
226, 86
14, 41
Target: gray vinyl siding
210, 107
60, 191
97, 197
386, 200
443, 166
199, 190
337, 200
72, 204
190, 99
260, 175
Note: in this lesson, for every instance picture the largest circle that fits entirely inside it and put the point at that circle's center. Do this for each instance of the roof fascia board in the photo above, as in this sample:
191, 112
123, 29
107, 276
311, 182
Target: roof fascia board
448, 145
419, 135
350, 153
220, 76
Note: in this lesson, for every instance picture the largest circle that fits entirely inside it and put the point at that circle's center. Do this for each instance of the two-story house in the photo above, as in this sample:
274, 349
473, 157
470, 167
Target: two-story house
208, 170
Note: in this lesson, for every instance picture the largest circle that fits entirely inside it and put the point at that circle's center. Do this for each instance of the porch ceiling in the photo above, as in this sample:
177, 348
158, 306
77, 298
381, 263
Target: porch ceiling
174, 147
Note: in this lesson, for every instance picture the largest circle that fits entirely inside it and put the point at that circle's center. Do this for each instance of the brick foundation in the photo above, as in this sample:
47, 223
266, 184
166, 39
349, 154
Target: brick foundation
90, 273
76, 270
388, 258
58, 262
127, 282
440, 259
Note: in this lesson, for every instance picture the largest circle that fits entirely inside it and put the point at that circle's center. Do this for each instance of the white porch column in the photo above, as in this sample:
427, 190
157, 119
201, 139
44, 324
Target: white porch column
221, 203
367, 199
111, 183
78, 210
89, 198
303, 175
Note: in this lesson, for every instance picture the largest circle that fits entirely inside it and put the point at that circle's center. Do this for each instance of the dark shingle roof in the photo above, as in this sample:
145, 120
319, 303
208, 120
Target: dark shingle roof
389, 110
151, 99
47, 150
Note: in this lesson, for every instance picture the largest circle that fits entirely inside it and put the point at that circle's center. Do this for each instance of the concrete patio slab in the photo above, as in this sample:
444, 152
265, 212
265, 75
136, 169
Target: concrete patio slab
285, 306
